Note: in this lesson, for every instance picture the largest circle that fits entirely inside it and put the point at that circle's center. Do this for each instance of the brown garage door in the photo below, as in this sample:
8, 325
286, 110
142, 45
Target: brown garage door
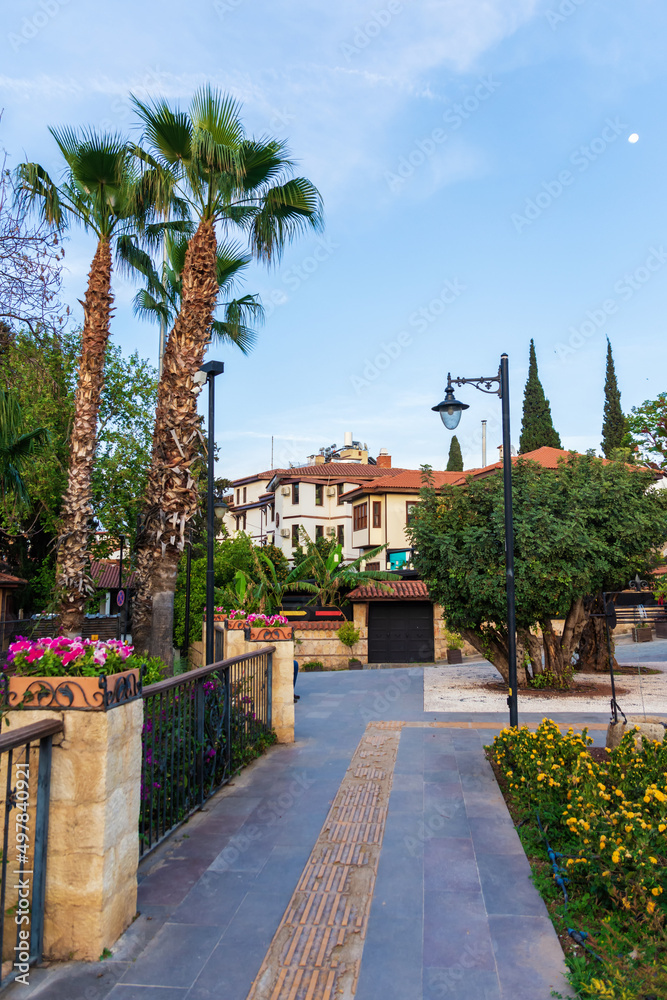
400, 632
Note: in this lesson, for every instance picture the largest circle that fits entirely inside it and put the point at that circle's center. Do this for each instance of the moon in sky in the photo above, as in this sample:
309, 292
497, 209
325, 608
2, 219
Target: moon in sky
633, 138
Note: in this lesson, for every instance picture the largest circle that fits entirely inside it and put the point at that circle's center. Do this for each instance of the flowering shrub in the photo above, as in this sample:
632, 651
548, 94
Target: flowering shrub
608, 822
77, 657
258, 620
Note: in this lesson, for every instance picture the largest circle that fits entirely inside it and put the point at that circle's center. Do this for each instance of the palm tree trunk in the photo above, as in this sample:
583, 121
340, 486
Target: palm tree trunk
72, 578
171, 496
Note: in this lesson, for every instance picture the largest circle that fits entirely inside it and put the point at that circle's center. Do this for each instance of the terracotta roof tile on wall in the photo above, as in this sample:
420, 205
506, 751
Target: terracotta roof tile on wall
401, 590
315, 626
105, 575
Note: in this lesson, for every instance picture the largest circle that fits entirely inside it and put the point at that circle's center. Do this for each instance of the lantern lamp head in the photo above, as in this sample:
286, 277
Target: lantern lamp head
450, 409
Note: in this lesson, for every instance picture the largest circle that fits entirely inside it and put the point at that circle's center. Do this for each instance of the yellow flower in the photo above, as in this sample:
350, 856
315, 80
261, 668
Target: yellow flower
616, 857
656, 892
650, 906
653, 861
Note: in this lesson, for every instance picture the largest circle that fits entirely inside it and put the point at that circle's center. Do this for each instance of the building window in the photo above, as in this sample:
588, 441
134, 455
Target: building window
319, 531
238, 523
372, 565
340, 532
377, 513
295, 493
295, 535
245, 493
341, 490
244, 522
319, 495
360, 517
238, 497
277, 520
410, 509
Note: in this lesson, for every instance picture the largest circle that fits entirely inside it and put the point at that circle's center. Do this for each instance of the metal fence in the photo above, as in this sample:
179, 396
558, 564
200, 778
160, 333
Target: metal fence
199, 729
25, 777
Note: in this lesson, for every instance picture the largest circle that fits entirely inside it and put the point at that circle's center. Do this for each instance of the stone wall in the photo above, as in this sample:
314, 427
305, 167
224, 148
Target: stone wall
282, 680
319, 641
93, 844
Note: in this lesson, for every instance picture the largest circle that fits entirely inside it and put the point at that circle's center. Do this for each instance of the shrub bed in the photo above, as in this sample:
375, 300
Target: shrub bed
604, 815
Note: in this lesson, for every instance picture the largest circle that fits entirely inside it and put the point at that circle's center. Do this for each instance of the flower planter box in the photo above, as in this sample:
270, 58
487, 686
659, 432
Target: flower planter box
269, 633
235, 624
313, 667
454, 656
88, 694
642, 634
357, 665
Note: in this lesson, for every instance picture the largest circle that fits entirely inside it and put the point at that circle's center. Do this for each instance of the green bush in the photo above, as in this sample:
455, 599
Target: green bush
312, 665
348, 634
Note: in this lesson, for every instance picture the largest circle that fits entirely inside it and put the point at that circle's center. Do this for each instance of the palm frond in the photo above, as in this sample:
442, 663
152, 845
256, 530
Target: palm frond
234, 333
219, 115
287, 210
168, 132
263, 161
147, 306
36, 189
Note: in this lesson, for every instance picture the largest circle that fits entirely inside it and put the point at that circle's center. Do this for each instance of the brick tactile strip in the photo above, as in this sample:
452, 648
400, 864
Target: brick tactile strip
316, 951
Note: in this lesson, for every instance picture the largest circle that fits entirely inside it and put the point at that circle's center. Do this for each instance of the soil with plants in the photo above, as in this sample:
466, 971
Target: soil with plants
593, 824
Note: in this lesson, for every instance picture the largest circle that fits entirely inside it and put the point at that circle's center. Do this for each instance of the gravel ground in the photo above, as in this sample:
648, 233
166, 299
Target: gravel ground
461, 688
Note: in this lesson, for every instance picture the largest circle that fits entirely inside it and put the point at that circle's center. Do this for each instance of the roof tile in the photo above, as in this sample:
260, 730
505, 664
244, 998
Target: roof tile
403, 590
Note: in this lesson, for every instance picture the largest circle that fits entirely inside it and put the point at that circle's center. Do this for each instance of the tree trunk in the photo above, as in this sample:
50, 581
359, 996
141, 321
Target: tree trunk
559, 650
592, 649
72, 578
171, 496
493, 646
531, 649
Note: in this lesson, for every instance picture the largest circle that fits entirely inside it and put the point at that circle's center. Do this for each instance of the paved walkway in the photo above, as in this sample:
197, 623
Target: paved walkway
373, 858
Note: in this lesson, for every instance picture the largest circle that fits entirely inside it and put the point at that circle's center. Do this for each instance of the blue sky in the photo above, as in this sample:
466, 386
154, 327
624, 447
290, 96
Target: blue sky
479, 190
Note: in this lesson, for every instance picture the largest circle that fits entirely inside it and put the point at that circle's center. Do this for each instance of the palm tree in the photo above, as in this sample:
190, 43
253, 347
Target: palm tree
332, 576
16, 448
160, 299
233, 182
103, 191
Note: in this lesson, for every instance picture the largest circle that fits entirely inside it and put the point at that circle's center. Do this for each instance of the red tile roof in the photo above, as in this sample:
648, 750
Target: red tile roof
345, 471
401, 590
407, 481
7, 580
105, 575
315, 626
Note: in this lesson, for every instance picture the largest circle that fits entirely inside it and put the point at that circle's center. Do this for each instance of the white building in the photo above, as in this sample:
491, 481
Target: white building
273, 506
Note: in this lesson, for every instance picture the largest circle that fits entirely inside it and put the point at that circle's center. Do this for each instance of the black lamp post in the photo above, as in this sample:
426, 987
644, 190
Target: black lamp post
210, 369
450, 410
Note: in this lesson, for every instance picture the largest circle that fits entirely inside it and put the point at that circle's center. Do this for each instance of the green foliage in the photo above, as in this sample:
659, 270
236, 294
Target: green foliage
453, 640
312, 665
579, 529
18, 446
614, 423
607, 821
348, 634
647, 425
537, 429
332, 578
156, 669
455, 460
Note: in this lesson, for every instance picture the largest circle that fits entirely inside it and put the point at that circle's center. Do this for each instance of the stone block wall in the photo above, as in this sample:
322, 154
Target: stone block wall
282, 683
319, 641
93, 844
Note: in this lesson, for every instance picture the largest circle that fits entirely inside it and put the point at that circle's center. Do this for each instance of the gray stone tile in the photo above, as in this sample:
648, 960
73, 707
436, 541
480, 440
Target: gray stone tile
529, 957
174, 957
213, 901
450, 865
147, 993
507, 886
493, 835
391, 965
456, 928
461, 983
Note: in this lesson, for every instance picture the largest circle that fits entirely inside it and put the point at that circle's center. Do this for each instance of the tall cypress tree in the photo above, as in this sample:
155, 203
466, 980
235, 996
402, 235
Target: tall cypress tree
614, 424
537, 429
455, 461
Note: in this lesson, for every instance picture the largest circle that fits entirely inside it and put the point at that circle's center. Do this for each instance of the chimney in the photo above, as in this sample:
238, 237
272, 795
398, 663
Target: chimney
384, 459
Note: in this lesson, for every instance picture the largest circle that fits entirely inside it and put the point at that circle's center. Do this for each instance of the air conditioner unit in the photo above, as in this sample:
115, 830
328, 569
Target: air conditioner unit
331, 491
286, 490
285, 532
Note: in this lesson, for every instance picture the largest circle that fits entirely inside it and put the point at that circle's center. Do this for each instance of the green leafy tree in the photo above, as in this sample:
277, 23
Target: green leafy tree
647, 425
537, 429
614, 424
579, 529
18, 445
455, 461
203, 158
102, 191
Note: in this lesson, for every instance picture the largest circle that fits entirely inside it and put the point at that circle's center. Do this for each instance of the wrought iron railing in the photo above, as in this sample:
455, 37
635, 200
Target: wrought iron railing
25, 777
199, 729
